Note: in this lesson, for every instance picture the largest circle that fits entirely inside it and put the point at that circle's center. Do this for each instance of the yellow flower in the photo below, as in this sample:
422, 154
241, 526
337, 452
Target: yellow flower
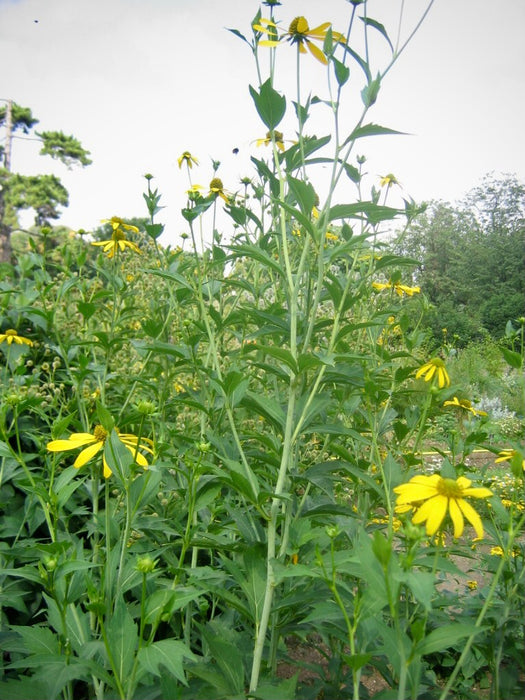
95, 442
11, 336
434, 367
331, 236
268, 140
216, 187
499, 552
435, 495
194, 189
465, 405
118, 224
504, 455
472, 585
298, 33
187, 158
388, 180
118, 241
400, 289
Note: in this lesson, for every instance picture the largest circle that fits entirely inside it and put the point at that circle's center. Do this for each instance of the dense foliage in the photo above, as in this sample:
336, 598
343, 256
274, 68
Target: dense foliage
209, 453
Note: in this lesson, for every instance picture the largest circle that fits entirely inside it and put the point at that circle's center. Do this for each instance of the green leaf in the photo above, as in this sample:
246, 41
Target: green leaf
266, 407
118, 457
122, 639
380, 28
373, 212
360, 61
24, 689
229, 660
38, 640
168, 653
280, 354
513, 359
254, 252
372, 130
154, 230
342, 72
269, 104
369, 92
444, 637
304, 194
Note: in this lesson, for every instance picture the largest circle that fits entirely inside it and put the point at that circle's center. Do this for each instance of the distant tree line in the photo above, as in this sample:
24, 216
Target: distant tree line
471, 261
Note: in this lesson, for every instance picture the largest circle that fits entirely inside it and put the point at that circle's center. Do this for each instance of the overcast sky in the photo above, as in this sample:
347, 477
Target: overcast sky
140, 81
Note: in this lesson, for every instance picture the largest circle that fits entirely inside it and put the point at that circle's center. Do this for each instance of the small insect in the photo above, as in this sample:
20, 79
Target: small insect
235, 151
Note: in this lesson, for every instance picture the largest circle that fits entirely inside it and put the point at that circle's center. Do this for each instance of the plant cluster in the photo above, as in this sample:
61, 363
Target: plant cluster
206, 453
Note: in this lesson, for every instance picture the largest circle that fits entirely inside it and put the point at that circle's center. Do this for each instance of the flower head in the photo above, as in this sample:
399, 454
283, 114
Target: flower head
465, 405
267, 141
388, 180
188, 159
434, 368
217, 188
94, 442
11, 336
118, 224
299, 33
434, 495
513, 456
118, 240
399, 288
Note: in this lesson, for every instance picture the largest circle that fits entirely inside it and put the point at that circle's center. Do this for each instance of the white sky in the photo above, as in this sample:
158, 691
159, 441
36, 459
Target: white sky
140, 81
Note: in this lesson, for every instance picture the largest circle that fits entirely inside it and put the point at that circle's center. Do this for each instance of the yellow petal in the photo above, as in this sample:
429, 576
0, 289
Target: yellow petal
75, 440
317, 53
433, 511
87, 454
107, 470
471, 516
457, 518
319, 31
478, 492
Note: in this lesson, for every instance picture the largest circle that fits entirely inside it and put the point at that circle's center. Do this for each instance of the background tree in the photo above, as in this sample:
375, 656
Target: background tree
41, 193
472, 258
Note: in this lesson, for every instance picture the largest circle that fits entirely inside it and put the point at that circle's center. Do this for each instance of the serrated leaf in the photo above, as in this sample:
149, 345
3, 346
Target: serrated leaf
169, 653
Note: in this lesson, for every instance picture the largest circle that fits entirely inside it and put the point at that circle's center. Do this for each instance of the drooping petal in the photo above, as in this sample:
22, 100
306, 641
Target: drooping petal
317, 53
132, 440
471, 515
107, 470
433, 511
139, 459
87, 454
457, 517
